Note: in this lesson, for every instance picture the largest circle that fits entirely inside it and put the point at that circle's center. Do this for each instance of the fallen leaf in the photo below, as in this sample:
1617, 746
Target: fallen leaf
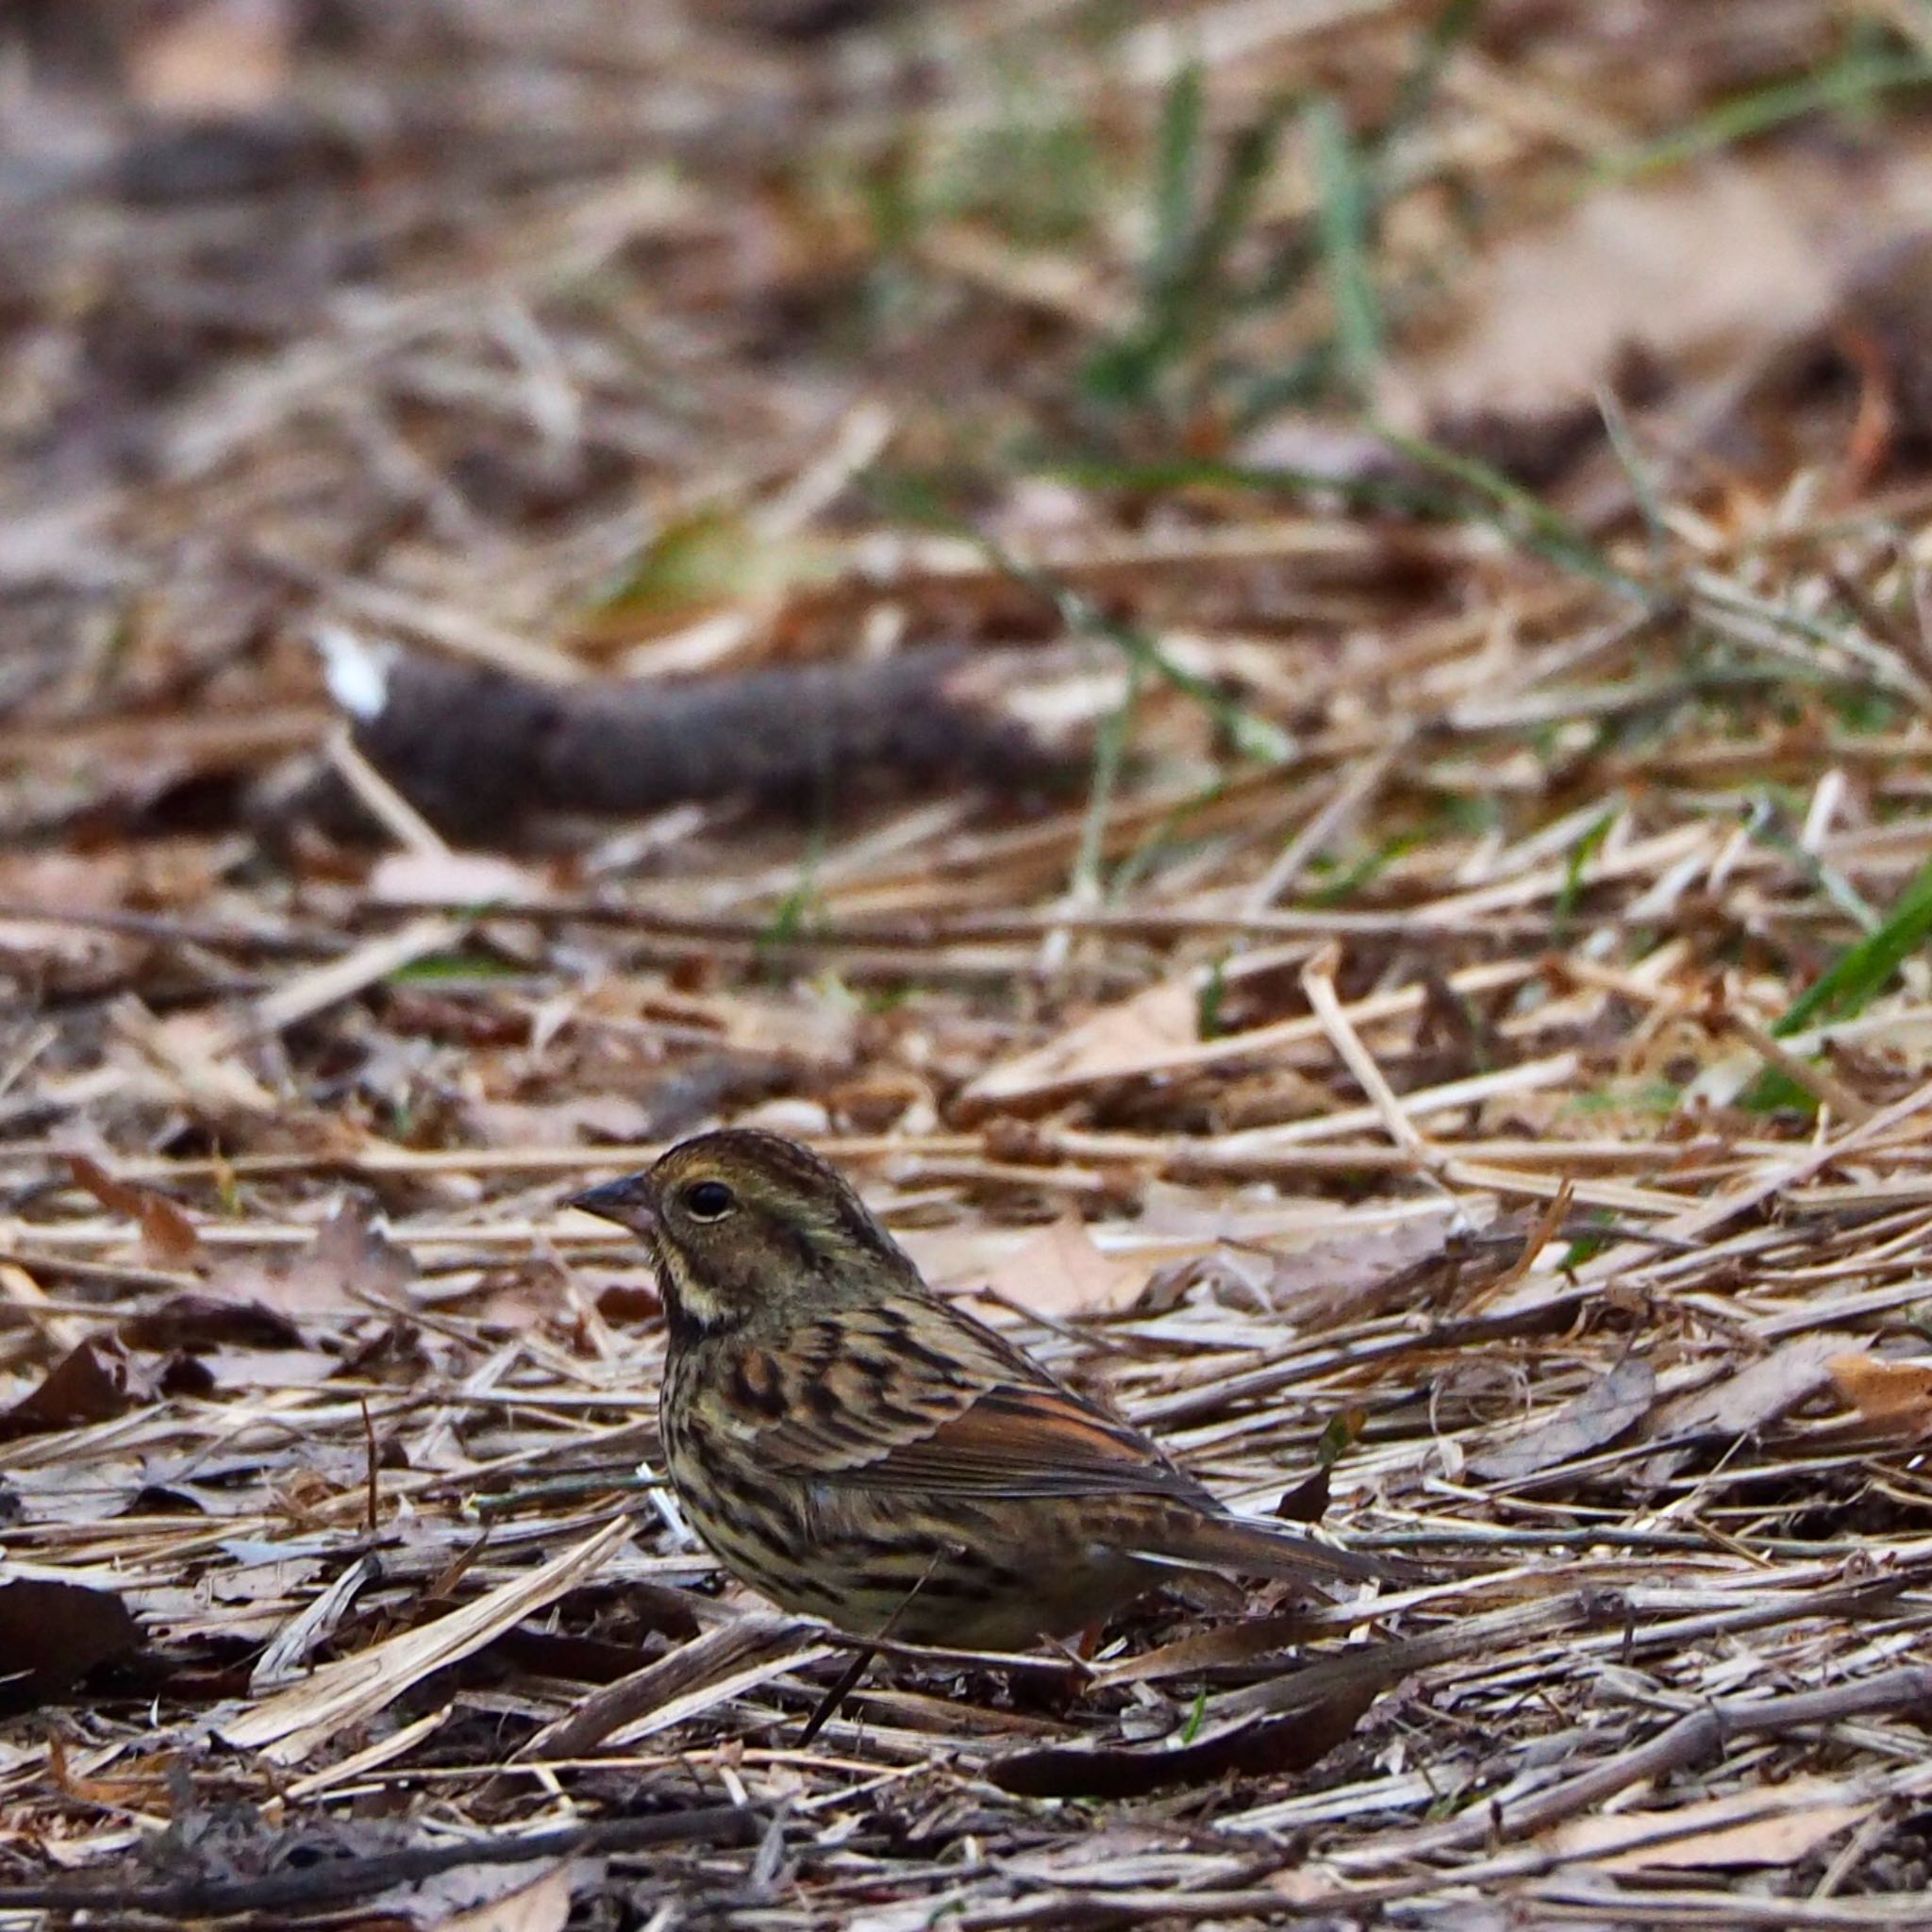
1893, 1396
1737, 1405
1780, 1840
1774, 1826
168, 1238
1717, 255
540, 1904
960, 1255
566, 1123
56, 1494
1426, 1261
350, 1263
194, 1319
52, 1633
630, 1300
708, 556
62, 957
90, 1384
185, 1374
1115, 1042
1308, 1502
1209, 1647
1609, 1407
1061, 1272
1759, 1393
1249, 1748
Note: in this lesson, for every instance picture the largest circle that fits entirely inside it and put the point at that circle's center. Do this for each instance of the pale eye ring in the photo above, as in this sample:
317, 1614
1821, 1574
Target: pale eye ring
709, 1200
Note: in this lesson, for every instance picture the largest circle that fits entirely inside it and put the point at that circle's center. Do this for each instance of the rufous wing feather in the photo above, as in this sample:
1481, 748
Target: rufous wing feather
978, 1419
1032, 1441
984, 1422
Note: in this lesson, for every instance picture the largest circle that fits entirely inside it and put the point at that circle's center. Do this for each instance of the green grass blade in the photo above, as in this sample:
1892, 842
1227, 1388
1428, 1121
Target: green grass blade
1538, 525
1109, 758
1176, 182
1345, 215
1865, 969
1849, 985
1854, 81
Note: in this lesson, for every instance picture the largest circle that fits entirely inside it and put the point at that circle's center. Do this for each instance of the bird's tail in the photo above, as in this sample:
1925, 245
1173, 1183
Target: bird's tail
1232, 1545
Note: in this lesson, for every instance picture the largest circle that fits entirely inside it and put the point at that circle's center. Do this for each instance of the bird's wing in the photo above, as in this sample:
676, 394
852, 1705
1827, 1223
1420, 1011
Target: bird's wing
917, 1395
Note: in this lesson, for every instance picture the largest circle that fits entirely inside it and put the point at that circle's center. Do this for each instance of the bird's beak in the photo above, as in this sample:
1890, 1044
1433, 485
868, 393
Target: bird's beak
623, 1201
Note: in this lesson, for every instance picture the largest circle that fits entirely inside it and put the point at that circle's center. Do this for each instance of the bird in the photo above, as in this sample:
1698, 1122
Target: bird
857, 1448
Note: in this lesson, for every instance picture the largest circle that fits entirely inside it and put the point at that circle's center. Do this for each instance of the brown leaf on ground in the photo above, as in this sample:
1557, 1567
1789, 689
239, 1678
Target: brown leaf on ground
1610, 1407
168, 1238
630, 1302
1705, 259
92, 1383
349, 1264
1419, 1262
1119, 1039
1740, 1402
52, 1633
582, 1117
1755, 1394
1893, 1397
483, 1898
1308, 1502
1263, 1748
1061, 1274
195, 1321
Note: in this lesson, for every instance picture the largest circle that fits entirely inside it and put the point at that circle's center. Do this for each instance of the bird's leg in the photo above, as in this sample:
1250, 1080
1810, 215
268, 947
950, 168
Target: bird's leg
1085, 1640
1057, 1694
848, 1678
828, 1705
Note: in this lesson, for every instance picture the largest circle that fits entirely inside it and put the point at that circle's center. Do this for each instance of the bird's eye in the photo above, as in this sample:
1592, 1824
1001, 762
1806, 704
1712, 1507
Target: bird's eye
709, 1200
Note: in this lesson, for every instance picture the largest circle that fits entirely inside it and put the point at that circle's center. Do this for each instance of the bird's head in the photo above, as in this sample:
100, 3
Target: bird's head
744, 1228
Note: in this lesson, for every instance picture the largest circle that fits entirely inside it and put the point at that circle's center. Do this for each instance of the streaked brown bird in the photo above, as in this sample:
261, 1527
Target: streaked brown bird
855, 1448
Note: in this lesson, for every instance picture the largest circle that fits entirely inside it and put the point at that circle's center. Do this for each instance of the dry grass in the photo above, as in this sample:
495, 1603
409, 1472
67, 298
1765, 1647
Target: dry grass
1466, 1028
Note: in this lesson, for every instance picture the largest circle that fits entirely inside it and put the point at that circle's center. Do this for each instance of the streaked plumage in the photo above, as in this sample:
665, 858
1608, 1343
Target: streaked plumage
853, 1447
